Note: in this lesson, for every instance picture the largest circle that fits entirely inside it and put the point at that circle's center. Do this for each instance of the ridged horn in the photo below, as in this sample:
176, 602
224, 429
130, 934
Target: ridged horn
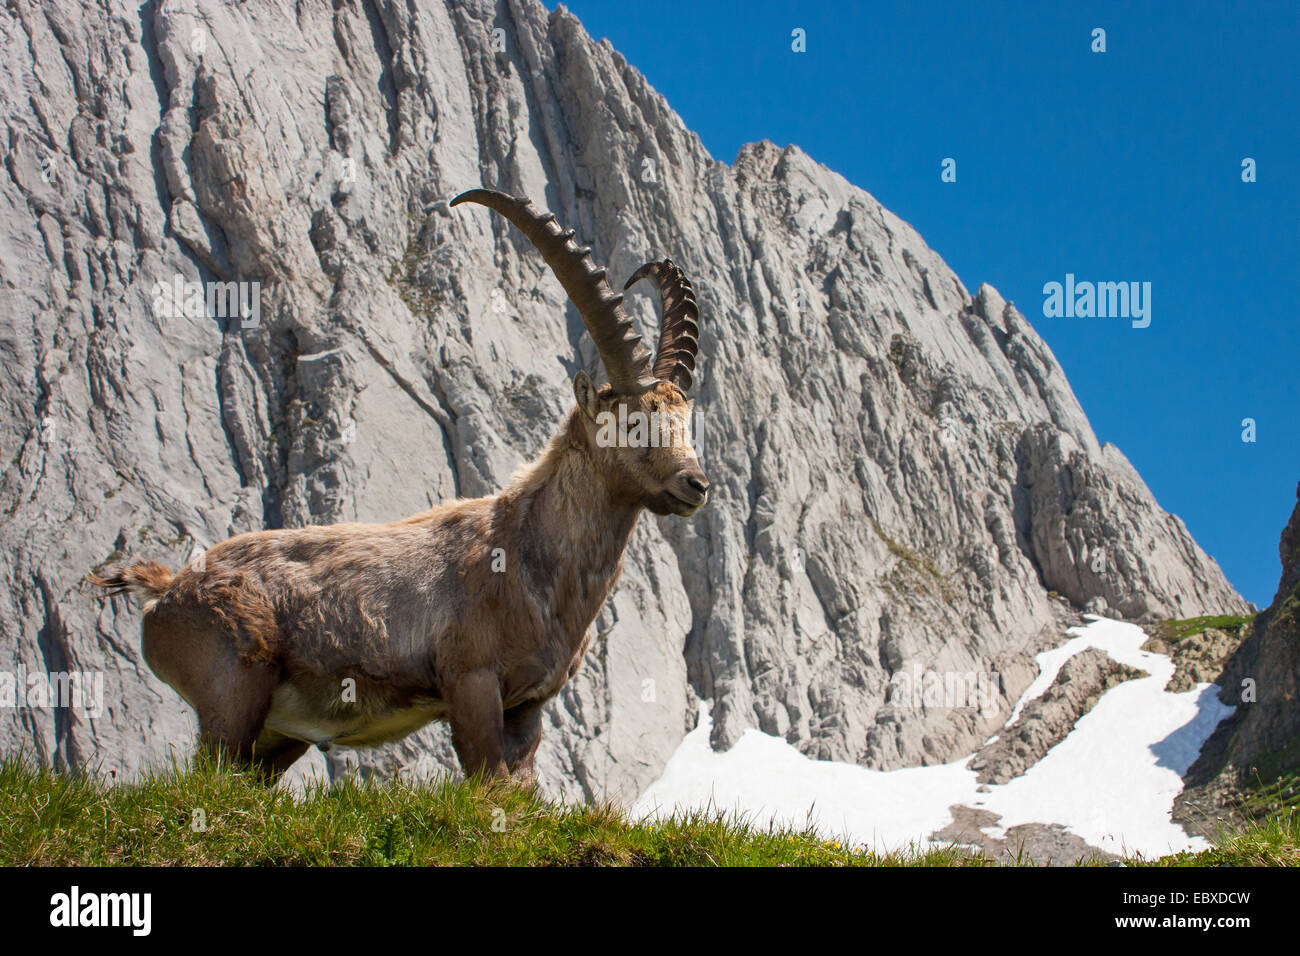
626, 360
679, 329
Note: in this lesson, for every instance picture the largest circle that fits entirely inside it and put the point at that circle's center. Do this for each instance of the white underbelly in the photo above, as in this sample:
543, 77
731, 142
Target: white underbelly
294, 715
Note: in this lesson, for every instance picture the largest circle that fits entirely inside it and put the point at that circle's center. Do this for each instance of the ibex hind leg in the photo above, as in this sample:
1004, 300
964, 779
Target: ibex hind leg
274, 753
230, 696
523, 732
232, 711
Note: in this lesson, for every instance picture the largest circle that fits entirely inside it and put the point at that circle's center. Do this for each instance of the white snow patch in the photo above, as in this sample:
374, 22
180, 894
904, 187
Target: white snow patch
767, 779
1112, 780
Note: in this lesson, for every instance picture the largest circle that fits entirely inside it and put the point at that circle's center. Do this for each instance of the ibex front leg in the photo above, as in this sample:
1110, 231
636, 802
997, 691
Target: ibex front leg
474, 711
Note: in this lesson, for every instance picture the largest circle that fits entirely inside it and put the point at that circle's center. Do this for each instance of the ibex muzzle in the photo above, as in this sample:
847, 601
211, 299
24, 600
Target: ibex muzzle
476, 612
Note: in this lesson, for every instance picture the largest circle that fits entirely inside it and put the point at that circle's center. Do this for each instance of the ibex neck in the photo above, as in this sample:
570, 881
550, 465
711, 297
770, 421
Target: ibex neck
582, 521
573, 530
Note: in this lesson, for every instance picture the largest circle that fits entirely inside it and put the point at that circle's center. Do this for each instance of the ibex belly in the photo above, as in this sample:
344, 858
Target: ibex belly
299, 713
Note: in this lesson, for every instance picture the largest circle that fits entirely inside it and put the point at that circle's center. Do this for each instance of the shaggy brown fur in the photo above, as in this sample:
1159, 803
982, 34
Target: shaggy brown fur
475, 612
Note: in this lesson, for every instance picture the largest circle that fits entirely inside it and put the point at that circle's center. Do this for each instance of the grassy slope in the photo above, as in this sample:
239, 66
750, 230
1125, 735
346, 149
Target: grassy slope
1270, 836
1175, 630
55, 819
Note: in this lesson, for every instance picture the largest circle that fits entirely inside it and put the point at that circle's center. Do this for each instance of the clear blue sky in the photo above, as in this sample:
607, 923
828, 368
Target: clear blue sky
1124, 165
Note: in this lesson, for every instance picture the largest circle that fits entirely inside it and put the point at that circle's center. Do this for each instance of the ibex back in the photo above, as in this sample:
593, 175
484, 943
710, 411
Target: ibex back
476, 612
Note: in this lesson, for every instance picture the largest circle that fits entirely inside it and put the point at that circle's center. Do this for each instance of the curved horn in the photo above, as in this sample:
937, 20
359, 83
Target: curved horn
679, 330
626, 360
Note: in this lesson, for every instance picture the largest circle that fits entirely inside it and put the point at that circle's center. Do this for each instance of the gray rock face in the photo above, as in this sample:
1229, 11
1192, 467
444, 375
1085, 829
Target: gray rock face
1198, 658
1044, 844
902, 472
1260, 742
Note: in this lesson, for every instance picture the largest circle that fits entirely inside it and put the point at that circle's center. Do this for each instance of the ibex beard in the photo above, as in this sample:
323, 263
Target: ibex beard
476, 612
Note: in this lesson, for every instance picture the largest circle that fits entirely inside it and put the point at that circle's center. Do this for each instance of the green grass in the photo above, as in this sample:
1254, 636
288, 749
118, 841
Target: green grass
1266, 799
1271, 840
920, 563
52, 819
69, 819
1270, 835
1178, 630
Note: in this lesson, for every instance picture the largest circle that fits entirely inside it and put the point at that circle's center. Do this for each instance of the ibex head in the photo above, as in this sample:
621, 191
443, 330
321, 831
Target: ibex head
637, 426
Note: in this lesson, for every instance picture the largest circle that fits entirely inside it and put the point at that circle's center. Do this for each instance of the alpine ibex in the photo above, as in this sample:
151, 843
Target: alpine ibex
476, 612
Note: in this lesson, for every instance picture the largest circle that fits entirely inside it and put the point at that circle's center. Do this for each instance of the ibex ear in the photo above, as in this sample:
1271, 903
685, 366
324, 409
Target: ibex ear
584, 390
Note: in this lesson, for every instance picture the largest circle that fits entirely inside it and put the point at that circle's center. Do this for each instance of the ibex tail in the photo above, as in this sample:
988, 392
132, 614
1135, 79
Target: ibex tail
147, 579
